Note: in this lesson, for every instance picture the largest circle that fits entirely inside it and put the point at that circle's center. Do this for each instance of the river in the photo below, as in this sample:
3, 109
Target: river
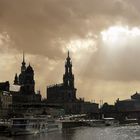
86, 133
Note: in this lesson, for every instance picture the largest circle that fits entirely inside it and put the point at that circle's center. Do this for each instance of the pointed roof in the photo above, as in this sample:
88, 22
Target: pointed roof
135, 96
68, 53
68, 57
29, 68
23, 62
16, 75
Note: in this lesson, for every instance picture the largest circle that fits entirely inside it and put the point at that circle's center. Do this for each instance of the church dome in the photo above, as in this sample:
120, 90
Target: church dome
29, 69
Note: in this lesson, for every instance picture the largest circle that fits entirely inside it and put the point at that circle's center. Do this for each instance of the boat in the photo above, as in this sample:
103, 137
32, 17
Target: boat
95, 123
4, 125
32, 125
53, 125
111, 122
23, 126
103, 122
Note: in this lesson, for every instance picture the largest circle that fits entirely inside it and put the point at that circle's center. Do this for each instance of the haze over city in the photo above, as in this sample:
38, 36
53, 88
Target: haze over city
103, 38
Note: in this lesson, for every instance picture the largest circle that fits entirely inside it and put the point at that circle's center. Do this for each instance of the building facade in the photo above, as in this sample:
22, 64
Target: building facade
4, 86
129, 108
5, 99
129, 105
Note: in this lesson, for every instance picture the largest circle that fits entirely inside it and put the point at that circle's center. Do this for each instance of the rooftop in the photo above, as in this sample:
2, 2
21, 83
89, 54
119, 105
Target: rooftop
15, 88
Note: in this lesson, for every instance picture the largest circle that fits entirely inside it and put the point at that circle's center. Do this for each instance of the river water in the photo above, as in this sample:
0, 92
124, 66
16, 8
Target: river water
86, 133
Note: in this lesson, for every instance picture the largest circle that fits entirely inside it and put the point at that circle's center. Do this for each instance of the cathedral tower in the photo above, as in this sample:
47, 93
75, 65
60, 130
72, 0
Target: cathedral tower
25, 79
68, 77
24, 84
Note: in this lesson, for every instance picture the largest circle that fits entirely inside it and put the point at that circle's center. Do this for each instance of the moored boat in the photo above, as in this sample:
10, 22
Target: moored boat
32, 125
103, 122
111, 122
27, 125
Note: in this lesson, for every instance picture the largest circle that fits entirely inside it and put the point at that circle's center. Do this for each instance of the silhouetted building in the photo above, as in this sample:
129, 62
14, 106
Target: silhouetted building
129, 108
89, 108
5, 102
25, 84
129, 105
64, 94
4, 86
136, 96
5, 99
108, 110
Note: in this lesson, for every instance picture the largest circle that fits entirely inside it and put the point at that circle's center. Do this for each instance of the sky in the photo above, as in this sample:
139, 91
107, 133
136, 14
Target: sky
103, 37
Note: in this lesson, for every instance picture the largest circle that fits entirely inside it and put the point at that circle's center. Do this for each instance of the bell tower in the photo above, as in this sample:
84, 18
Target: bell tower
68, 77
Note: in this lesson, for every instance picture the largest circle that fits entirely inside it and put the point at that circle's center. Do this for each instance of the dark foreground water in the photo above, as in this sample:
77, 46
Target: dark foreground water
86, 133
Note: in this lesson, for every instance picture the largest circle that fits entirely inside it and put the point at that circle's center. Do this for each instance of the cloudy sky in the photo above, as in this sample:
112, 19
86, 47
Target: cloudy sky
103, 37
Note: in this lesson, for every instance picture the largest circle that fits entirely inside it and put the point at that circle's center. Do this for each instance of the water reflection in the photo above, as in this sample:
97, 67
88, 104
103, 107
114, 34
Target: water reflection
86, 133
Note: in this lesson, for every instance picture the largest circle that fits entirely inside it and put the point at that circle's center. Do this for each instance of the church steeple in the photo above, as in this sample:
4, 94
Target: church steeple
23, 58
23, 67
16, 79
68, 59
68, 77
68, 54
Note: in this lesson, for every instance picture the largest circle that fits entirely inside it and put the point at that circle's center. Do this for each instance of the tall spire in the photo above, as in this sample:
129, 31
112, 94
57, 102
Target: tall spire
23, 57
23, 67
23, 62
68, 53
68, 57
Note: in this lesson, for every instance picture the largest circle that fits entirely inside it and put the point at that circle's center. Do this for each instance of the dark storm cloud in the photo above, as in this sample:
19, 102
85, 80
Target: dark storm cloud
40, 26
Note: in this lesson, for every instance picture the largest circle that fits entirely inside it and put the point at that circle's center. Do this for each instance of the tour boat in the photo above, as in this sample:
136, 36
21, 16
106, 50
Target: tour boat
95, 123
32, 125
103, 122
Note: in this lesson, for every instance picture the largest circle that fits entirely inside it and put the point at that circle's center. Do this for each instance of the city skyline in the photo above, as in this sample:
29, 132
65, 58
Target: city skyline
103, 40
100, 101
